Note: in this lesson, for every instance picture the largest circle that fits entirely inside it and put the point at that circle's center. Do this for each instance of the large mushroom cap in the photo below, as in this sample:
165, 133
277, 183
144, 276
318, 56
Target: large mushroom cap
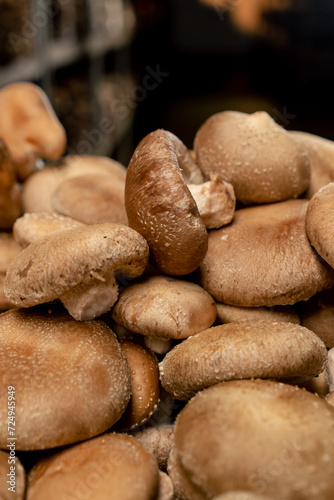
252, 152
320, 222
260, 436
162, 306
264, 258
160, 207
229, 314
109, 467
245, 349
71, 379
77, 265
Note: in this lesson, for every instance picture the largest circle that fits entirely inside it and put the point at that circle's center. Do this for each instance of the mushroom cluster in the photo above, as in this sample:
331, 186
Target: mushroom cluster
166, 327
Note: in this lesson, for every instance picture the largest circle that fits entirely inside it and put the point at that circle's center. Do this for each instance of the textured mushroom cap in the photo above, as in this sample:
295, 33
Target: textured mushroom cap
242, 350
91, 199
317, 314
30, 126
32, 226
9, 250
260, 436
110, 467
321, 155
52, 265
242, 495
71, 379
162, 306
5, 304
264, 258
158, 440
320, 222
252, 152
160, 207
229, 314
10, 191
18, 478
145, 389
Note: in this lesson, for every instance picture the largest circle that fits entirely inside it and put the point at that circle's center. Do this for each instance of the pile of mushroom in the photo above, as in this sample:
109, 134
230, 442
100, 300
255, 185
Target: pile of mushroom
166, 327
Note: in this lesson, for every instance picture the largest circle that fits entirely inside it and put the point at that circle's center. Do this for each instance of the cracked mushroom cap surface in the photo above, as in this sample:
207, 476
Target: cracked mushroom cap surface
264, 258
256, 155
163, 306
60, 261
160, 206
260, 436
242, 350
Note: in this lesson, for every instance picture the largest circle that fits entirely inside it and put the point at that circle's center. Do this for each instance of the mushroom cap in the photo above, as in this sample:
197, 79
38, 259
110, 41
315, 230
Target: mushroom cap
31, 128
109, 467
317, 314
61, 260
321, 155
242, 350
10, 191
242, 495
5, 304
184, 488
145, 389
9, 250
320, 222
260, 436
330, 369
38, 188
162, 306
71, 379
256, 155
160, 207
264, 258
158, 440
32, 226
91, 199
229, 314
330, 398
18, 479
166, 488
317, 385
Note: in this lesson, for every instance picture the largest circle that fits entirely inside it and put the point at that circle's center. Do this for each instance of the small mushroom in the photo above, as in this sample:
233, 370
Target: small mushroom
264, 258
32, 226
229, 314
78, 266
160, 206
320, 222
10, 191
158, 440
317, 314
256, 155
29, 126
112, 466
71, 379
162, 306
242, 350
12, 474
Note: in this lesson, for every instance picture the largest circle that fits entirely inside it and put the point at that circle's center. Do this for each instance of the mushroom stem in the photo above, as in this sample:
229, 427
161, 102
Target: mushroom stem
215, 200
87, 301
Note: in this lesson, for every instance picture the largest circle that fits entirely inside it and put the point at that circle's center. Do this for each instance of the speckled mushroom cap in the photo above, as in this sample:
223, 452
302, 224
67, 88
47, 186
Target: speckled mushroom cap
30, 126
242, 350
320, 222
229, 314
91, 199
256, 155
317, 314
32, 226
321, 155
162, 306
160, 207
75, 263
10, 190
12, 475
109, 467
71, 379
264, 258
261, 436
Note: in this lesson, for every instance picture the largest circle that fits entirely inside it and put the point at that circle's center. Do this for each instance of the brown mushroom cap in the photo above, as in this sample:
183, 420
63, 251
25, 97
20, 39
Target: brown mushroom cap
242, 350
9, 250
144, 371
30, 126
252, 152
264, 258
260, 436
318, 384
162, 306
229, 314
38, 188
242, 495
10, 191
160, 207
321, 155
32, 226
91, 199
317, 314
110, 467
12, 475
330, 369
320, 222
184, 488
77, 265
71, 379
166, 488
158, 440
